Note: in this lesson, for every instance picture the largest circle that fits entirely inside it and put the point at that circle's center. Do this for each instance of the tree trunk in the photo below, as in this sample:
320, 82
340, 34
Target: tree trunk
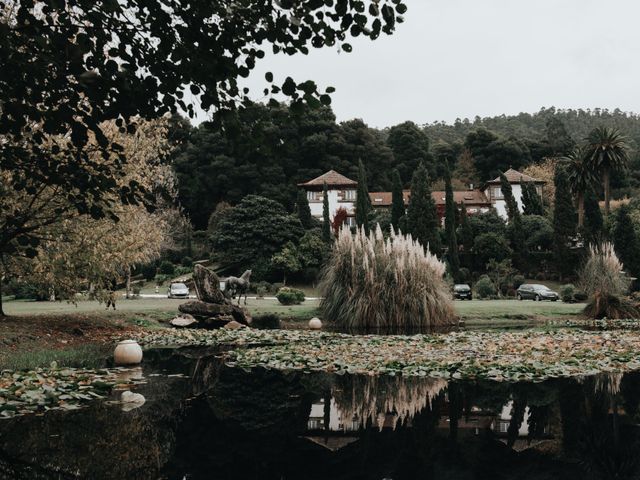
607, 182
580, 210
2, 314
128, 293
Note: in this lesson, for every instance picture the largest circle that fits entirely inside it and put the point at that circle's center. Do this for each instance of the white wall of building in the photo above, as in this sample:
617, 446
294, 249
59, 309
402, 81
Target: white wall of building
335, 203
499, 204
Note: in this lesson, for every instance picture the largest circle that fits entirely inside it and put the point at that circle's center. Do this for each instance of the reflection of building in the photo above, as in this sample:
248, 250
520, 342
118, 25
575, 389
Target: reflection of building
336, 420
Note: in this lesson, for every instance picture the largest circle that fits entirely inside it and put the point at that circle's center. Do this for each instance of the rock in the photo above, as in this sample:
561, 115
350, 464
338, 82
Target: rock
183, 320
203, 309
233, 325
207, 285
315, 323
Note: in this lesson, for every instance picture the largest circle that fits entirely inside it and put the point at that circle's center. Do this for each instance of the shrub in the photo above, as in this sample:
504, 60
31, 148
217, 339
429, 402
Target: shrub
511, 293
567, 293
491, 246
370, 282
187, 262
465, 275
290, 296
541, 276
610, 306
266, 321
518, 280
260, 292
160, 279
485, 287
167, 268
179, 271
136, 290
580, 296
149, 271
277, 286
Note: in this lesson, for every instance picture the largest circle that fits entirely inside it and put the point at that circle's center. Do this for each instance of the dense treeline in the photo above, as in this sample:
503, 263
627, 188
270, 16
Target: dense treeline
269, 149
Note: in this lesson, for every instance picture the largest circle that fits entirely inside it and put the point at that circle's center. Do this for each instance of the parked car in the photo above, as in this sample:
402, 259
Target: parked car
536, 292
178, 290
462, 291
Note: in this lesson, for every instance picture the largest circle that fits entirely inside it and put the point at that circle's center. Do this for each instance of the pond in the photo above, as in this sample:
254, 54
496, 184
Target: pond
202, 419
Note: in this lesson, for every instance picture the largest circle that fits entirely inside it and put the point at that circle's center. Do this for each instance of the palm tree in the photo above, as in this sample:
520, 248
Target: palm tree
606, 150
581, 178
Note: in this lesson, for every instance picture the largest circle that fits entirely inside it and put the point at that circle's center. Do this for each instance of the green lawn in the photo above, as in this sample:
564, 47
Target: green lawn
164, 308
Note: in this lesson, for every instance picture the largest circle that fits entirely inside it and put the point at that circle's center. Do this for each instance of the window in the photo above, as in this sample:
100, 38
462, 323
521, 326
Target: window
314, 196
496, 192
350, 195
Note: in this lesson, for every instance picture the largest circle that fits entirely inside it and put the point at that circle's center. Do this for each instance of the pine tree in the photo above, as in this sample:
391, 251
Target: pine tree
397, 201
531, 201
466, 232
515, 220
593, 222
422, 217
363, 202
625, 242
326, 221
564, 223
303, 210
450, 225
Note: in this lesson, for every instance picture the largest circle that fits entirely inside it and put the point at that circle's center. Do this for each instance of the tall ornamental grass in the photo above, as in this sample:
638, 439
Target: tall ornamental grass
604, 280
373, 282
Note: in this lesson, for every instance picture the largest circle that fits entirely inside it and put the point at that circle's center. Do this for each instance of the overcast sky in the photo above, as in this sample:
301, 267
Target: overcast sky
462, 58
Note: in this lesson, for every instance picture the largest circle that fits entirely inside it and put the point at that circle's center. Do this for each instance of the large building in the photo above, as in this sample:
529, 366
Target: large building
342, 194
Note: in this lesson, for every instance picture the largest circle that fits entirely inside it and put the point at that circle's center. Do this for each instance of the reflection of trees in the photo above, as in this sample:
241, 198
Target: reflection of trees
372, 400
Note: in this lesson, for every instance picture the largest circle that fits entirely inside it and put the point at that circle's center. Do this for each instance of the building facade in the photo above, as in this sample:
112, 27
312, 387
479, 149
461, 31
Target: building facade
493, 190
341, 192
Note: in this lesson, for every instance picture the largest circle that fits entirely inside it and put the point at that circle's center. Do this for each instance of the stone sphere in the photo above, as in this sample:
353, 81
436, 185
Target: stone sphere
128, 352
315, 323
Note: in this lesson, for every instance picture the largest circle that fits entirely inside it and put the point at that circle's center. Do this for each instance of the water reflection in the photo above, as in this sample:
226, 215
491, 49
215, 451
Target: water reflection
201, 420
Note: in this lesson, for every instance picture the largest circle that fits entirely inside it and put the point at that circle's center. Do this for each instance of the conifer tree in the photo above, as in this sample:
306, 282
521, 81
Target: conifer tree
450, 225
326, 221
363, 202
303, 210
593, 230
515, 220
466, 232
531, 201
564, 223
397, 201
422, 216
625, 242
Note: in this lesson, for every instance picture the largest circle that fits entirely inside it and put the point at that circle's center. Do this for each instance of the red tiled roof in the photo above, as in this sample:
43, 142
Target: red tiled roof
513, 176
332, 179
468, 197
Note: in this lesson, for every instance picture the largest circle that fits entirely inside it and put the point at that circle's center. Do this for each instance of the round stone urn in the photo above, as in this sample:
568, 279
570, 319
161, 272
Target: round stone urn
128, 352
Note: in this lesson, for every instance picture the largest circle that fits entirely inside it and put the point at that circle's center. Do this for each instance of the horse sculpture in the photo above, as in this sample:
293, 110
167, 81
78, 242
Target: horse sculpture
239, 286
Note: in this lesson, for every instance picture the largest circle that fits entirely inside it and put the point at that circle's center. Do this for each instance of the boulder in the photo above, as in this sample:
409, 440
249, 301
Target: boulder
207, 285
207, 312
233, 325
184, 320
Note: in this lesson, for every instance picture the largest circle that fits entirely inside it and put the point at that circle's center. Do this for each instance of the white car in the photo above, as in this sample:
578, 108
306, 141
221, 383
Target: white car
178, 290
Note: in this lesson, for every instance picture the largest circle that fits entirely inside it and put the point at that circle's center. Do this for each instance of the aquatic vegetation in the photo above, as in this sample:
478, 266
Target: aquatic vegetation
40, 390
499, 356
373, 282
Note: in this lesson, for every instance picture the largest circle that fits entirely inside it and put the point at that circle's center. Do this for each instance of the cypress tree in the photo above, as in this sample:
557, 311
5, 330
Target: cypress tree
397, 201
422, 216
304, 211
466, 232
531, 201
326, 221
564, 223
450, 225
363, 202
625, 241
593, 230
515, 220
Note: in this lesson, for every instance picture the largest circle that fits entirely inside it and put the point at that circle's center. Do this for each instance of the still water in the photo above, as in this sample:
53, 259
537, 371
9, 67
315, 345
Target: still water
202, 420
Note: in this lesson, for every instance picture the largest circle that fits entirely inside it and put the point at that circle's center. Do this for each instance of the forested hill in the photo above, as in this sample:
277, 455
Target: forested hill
534, 126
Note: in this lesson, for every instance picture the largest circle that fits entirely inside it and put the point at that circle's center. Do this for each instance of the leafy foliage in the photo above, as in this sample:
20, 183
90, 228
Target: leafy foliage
488, 246
410, 147
397, 201
290, 296
564, 223
363, 202
450, 226
422, 218
253, 231
485, 288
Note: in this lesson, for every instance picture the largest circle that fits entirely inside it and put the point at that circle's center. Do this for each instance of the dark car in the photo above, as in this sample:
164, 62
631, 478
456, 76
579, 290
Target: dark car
462, 291
537, 292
